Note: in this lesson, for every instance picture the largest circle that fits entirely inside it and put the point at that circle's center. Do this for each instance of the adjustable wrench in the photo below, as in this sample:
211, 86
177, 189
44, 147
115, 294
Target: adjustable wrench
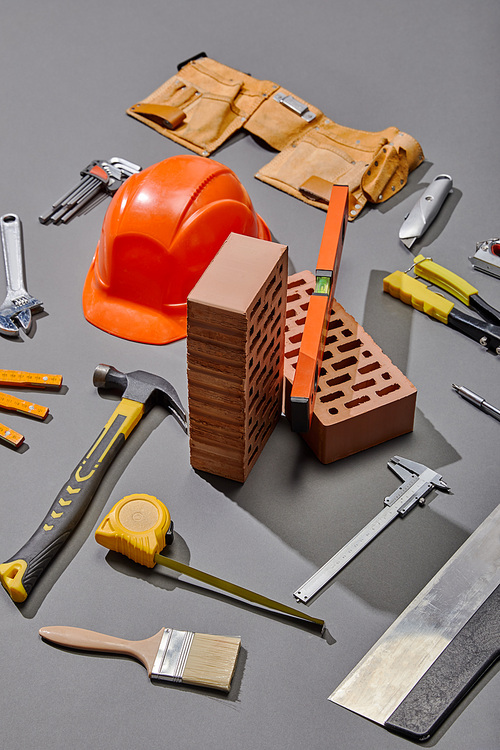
15, 311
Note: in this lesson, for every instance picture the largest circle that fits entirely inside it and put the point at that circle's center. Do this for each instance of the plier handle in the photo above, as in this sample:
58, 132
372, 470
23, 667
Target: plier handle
413, 292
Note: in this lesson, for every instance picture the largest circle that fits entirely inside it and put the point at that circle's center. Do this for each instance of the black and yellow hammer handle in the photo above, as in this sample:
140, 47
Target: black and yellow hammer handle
20, 573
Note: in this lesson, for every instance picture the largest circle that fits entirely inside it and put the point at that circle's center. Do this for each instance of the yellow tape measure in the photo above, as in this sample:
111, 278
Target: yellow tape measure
139, 527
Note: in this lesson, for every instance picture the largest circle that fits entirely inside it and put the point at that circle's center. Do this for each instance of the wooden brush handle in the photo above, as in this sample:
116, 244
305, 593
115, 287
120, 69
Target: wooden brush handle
88, 640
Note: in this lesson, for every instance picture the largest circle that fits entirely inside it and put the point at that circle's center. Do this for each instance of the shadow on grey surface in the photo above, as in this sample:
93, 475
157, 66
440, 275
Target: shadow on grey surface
234, 691
316, 509
56, 568
167, 579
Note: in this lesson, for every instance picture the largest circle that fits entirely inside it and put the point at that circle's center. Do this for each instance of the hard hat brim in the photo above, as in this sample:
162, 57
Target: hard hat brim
129, 320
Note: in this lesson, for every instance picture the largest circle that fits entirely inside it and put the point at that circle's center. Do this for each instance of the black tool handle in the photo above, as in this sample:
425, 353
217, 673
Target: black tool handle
486, 334
466, 658
20, 573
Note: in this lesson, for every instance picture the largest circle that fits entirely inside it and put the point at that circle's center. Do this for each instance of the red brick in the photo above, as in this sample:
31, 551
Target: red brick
363, 399
235, 353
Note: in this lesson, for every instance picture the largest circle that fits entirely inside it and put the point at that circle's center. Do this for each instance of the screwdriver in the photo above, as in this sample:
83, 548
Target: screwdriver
478, 401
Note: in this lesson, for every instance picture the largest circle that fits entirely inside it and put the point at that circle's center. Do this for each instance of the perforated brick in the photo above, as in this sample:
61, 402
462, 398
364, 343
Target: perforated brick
363, 399
235, 353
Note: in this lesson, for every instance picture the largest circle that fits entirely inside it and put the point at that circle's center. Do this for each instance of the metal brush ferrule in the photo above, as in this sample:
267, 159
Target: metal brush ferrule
172, 655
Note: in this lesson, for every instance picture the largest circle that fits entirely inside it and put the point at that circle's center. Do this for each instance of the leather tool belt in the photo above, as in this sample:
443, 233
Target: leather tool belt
207, 102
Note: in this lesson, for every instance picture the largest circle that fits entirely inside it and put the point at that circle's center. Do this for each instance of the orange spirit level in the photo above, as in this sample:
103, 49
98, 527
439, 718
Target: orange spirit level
318, 314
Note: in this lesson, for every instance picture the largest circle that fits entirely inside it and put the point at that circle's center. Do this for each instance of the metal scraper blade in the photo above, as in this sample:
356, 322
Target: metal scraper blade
438, 647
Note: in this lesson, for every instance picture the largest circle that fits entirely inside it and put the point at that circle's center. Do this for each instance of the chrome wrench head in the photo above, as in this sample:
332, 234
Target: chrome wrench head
15, 311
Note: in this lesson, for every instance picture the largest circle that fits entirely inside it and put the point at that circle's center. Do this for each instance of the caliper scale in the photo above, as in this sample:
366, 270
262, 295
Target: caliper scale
418, 481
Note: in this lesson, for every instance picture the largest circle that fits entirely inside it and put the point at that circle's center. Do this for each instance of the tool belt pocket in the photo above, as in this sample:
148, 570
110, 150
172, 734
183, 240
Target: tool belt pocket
281, 119
203, 105
374, 166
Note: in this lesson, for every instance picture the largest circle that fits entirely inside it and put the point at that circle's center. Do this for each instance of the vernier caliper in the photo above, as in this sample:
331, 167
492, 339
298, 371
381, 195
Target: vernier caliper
418, 481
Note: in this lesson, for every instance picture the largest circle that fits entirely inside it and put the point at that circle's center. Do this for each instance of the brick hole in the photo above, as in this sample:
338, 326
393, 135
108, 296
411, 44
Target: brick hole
347, 332
331, 339
277, 291
256, 307
254, 399
262, 312
357, 402
294, 284
338, 380
250, 362
250, 332
369, 368
270, 285
294, 365
292, 353
254, 371
390, 389
250, 391
310, 291
255, 339
322, 372
331, 396
276, 322
286, 329
250, 421
280, 268
335, 323
327, 355
261, 375
367, 354
305, 306
347, 362
333, 411
292, 297
291, 312
259, 348
386, 376
300, 322
266, 380
296, 338
350, 345
270, 347
363, 385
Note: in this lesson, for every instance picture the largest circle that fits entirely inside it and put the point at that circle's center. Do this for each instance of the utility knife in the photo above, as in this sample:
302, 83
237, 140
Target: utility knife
425, 210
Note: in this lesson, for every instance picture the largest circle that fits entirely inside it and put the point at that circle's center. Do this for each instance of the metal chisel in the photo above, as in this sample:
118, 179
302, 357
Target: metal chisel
438, 648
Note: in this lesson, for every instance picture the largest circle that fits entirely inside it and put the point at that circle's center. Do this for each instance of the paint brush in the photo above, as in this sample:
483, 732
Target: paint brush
169, 656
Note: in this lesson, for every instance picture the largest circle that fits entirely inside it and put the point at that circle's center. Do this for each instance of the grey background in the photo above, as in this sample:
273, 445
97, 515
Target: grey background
69, 71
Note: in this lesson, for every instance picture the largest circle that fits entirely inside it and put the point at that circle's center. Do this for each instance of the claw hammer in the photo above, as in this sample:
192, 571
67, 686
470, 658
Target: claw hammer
140, 392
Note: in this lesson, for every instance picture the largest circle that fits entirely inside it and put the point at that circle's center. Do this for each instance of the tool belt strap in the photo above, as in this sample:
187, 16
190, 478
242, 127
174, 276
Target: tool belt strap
207, 102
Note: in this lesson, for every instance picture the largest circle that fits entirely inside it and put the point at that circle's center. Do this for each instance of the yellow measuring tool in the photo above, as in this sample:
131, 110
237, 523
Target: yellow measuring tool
21, 379
139, 526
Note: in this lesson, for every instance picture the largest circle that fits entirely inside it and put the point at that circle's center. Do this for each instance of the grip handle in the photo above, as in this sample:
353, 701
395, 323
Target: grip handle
414, 293
20, 573
430, 271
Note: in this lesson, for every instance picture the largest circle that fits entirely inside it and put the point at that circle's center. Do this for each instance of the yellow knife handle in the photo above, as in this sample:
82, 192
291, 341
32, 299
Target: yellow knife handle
416, 294
20, 573
447, 280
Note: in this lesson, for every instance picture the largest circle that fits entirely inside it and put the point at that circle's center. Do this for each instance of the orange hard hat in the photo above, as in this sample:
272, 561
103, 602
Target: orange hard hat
161, 230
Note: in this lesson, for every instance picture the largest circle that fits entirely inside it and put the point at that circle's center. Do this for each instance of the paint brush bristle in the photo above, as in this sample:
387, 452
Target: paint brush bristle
211, 661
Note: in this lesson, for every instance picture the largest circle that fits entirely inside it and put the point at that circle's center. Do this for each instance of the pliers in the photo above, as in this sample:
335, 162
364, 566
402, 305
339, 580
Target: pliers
411, 291
21, 379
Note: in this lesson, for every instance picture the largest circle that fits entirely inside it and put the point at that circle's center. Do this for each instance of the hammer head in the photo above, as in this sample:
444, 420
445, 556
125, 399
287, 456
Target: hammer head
144, 387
